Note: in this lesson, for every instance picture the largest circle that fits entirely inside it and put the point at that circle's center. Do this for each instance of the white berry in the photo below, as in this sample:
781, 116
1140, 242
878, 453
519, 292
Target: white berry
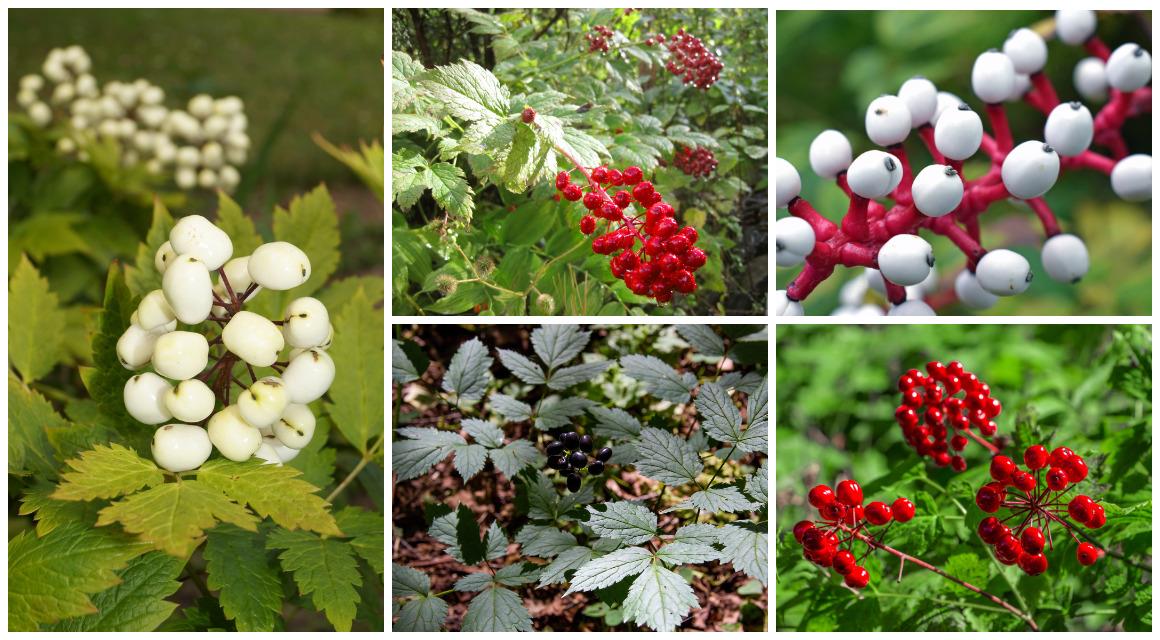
787, 181
135, 347
1027, 51
267, 453
308, 376
830, 154
783, 306
296, 426
958, 133
145, 398
945, 102
794, 239
1065, 258
1003, 273
232, 436
202, 239
1030, 170
279, 266
972, 295
1069, 129
911, 308
905, 259
188, 289
874, 174
921, 98
154, 311
937, 190
1129, 67
253, 338
263, 403
1132, 178
180, 355
307, 323
190, 400
180, 447
1091, 79
1075, 26
887, 120
993, 77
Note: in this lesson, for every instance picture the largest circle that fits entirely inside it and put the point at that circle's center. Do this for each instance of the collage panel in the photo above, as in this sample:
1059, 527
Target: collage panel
196, 321
963, 162
964, 477
580, 162
580, 478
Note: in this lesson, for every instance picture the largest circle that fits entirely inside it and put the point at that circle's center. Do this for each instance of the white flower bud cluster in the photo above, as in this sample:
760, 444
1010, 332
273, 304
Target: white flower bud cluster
200, 146
188, 389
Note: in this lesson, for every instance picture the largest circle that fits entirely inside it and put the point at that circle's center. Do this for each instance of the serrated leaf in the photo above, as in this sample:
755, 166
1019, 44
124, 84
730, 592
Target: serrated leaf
316, 459
568, 560
413, 458
138, 603
468, 92
614, 423
703, 339
747, 550
30, 418
715, 499
514, 456
406, 582
324, 569
450, 189
469, 459
757, 408
483, 432
706, 534
659, 599
574, 375
272, 491
444, 530
518, 574
469, 375
402, 370
143, 276
107, 472
311, 223
106, 380
557, 344
610, 569
425, 613
521, 367
240, 229
34, 345
51, 513
356, 404
676, 553
248, 584
544, 542
497, 609
628, 522
471, 546
174, 517
757, 484
473, 582
665, 457
558, 412
659, 378
510, 408
721, 420
52, 578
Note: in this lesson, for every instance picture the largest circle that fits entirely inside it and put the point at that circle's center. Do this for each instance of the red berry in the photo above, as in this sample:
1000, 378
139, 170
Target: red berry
609, 211
992, 407
844, 562
684, 281
600, 175
958, 442
800, 528
1057, 479
1080, 508
677, 244
1008, 546
903, 510
1097, 519
1023, 480
643, 191
1087, 554
615, 177
633, 175
1060, 456
668, 263
694, 258
878, 513
990, 529
912, 398
528, 115
1032, 540
831, 511
1033, 564
690, 233
849, 493
1035, 457
654, 246
942, 458
658, 211
1002, 467
937, 370
955, 368
622, 199
562, 180
853, 515
573, 192
665, 227
958, 463
1076, 469
636, 282
857, 578
988, 499
821, 496
587, 225
813, 539
592, 200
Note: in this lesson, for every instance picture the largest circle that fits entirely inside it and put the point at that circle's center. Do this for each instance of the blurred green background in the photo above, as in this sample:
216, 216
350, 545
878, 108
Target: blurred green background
831, 64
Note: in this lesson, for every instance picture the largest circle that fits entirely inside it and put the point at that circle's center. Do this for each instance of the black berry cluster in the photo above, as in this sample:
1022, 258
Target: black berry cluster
570, 454
692, 60
598, 42
698, 162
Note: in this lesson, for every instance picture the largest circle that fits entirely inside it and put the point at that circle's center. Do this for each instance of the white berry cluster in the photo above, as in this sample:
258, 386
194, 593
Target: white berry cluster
200, 146
193, 373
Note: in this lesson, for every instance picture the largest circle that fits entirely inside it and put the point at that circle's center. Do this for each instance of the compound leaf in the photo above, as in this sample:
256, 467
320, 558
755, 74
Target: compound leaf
659, 378
514, 456
30, 417
665, 457
714, 499
406, 582
469, 459
659, 599
248, 584
468, 375
310, 223
356, 397
474, 582
51, 513
138, 603
568, 560
629, 522
610, 569
468, 92
484, 432
365, 530
35, 323
510, 408
425, 613
107, 472
557, 344
324, 569
703, 339
544, 542
614, 423
272, 491
106, 380
521, 367
427, 446
757, 484
747, 549
574, 375
558, 412
402, 369
675, 553
698, 534
497, 609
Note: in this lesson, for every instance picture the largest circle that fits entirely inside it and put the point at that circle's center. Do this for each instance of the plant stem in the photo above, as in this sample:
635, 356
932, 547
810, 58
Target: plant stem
367, 457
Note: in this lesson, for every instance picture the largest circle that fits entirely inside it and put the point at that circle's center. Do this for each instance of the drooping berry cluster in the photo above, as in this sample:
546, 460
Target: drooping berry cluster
570, 454
698, 162
941, 200
1035, 500
666, 260
692, 61
844, 521
926, 429
598, 38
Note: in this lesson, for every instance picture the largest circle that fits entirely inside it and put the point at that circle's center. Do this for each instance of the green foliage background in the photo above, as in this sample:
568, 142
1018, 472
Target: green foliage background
831, 64
1088, 387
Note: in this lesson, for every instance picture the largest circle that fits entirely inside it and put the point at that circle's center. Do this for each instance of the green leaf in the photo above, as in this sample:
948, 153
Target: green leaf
46, 234
402, 369
514, 457
324, 569
497, 609
356, 397
468, 375
30, 417
106, 380
425, 613
311, 223
426, 446
138, 603
143, 277
521, 366
174, 517
557, 344
52, 578
365, 530
703, 339
715, 499
722, 421
107, 472
238, 227
659, 599
249, 586
659, 378
467, 537
316, 459
406, 582
610, 569
51, 513
747, 548
629, 522
271, 491
468, 92
35, 323
510, 408
666, 457
368, 163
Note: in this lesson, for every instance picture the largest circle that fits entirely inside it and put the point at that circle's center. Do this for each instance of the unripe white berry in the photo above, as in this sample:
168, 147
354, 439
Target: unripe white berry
794, 239
154, 311
783, 306
1091, 79
86, 86
1132, 178
296, 426
993, 77
153, 96
215, 127
135, 347
180, 355
267, 453
1065, 258
1030, 170
229, 178
279, 266
308, 376
937, 190
228, 106
206, 179
329, 340
202, 239
40, 113
307, 323
145, 398
946, 102
887, 120
1075, 26
180, 447
185, 178
854, 290
958, 133
201, 106
1003, 273
253, 338
285, 454
1022, 86
911, 308
63, 93
972, 295
238, 274
1027, 51
1129, 67
233, 437
263, 403
905, 259
921, 98
188, 157
188, 289
31, 82
190, 400
787, 181
874, 174
830, 154
1069, 129
161, 330
26, 98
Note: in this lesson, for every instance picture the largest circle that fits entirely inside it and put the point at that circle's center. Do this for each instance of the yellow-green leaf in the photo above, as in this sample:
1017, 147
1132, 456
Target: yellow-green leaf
35, 323
138, 603
311, 223
324, 569
29, 418
174, 517
357, 393
143, 277
107, 472
365, 530
237, 226
240, 569
51, 513
271, 491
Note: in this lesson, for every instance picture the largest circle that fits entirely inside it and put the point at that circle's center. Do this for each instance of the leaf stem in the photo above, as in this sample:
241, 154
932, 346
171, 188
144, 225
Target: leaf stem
367, 457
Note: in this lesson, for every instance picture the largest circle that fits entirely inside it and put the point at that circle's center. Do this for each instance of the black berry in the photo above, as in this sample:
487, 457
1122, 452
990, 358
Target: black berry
596, 468
570, 440
555, 448
604, 454
573, 482
557, 462
578, 460
586, 443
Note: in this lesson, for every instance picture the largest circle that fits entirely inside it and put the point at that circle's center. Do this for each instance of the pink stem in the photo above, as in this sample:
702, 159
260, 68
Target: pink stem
1045, 92
998, 116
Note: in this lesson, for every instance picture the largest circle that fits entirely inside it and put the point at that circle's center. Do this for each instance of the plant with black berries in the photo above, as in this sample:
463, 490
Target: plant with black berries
572, 454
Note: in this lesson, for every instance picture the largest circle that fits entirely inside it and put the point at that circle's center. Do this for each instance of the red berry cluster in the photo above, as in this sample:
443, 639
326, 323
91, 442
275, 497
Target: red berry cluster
926, 432
844, 521
692, 61
698, 162
599, 42
660, 37
666, 260
1035, 507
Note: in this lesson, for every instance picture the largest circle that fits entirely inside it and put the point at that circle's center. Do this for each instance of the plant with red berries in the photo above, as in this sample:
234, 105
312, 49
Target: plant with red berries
698, 162
1034, 501
692, 61
598, 38
931, 410
941, 200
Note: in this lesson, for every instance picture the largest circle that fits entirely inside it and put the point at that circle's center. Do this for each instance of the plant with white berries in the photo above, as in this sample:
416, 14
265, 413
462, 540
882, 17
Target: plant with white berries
190, 390
941, 200
200, 146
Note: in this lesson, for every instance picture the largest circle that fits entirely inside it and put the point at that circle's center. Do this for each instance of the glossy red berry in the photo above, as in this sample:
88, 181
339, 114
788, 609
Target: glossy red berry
1008, 545
600, 175
573, 192
1087, 554
1080, 508
622, 199
1060, 456
990, 529
849, 493
988, 499
1023, 481
1036, 457
857, 578
844, 562
528, 115
801, 528
1032, 540
1002, 467
1033, 564
592, 200
633, 175
694, 258
615, 177
562, 180
1097, 518
1076, 469
821, 496
958, 463
878, 513
903, 510
1057, 479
